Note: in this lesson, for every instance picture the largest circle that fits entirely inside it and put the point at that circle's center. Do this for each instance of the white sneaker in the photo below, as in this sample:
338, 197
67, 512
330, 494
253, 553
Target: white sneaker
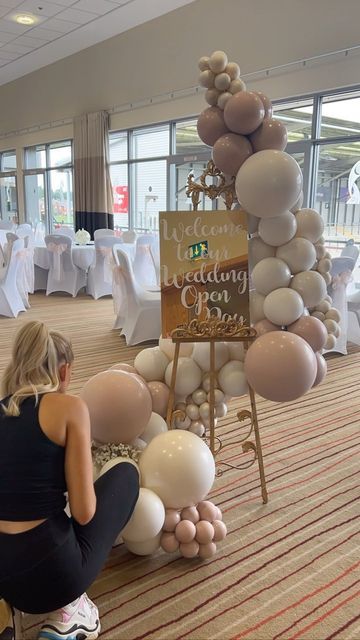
79, 620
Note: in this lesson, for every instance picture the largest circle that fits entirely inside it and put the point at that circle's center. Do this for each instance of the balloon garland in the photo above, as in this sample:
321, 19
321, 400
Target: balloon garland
289, 308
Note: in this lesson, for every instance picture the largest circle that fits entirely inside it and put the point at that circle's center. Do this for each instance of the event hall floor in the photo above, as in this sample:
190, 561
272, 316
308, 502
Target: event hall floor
288, 569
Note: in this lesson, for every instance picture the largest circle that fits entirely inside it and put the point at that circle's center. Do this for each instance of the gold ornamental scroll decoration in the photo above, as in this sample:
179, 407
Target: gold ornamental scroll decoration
213, 331
223, 189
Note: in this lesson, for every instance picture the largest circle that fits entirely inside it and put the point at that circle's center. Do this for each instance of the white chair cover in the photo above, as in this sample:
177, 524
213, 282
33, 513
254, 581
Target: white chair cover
65, 231
39, 233
144, 268
63, 274
341, 276
100, 233
11, 302
129, 236
142, 321
100, 274
25, 273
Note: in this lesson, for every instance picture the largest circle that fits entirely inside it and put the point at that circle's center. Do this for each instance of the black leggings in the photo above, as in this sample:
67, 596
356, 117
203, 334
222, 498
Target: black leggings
49, 566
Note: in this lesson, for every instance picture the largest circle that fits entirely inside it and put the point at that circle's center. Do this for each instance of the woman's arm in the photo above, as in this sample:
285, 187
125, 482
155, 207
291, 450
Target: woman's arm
78, 462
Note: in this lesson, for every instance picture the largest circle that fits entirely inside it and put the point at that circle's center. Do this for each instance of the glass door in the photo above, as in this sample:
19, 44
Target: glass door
179, 169
36, 201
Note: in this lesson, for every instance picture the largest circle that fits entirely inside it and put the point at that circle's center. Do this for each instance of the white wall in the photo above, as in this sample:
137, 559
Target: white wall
161, 56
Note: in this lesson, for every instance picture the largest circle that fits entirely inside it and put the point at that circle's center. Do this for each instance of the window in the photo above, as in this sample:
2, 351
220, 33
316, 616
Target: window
340, 116
297, 117
48, 179
8, 187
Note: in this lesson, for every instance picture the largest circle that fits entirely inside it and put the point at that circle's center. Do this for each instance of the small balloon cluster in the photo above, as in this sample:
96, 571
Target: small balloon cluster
288, 263
193, 531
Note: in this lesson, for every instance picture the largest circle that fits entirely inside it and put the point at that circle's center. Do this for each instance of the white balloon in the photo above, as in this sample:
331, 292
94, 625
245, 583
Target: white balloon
139, 443
324, 265
222, 81
206, 78
223, 99
236, 351
179, 467
331, 325
270, 274
252, 223
330, 342
237, 85
279, 230
310, 224
182, 423
188, 376
167, 346
199, 396
258, 250
233, 69
311, 286
201, 355
197, 428
218, 396
147, 518
218, 61
145, 548
151, 364
117, 460
203, 63
206, 382
192, 410
155, 426
256, 307
204, 410
299, 254
212, 96
232, 379
298, 204
283, 306
221, 410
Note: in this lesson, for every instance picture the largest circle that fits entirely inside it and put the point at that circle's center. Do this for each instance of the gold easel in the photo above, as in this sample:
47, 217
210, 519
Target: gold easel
213, 331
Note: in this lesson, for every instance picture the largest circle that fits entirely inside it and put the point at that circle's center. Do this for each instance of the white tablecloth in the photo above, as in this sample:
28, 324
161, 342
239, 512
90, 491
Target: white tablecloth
82, 255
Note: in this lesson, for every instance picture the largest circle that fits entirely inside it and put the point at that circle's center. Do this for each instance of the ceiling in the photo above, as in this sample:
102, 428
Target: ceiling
64, 27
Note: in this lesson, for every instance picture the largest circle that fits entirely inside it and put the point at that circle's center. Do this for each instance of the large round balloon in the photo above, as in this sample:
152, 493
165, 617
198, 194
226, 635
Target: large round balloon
283, 306
188, 376
280, 366
179, 467
321, 369
270, 274
144, 548
310, 224
230, 151
147, 518
271, 134
119, 404
201, 355
266, 102
299, 254
211, 125
312, 330
311, 286
155, 426
279, 230
232, 379
244, 112
168, 347
151, 364
268, 183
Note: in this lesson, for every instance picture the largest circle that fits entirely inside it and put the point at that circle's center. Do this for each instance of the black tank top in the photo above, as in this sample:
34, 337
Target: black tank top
32, 476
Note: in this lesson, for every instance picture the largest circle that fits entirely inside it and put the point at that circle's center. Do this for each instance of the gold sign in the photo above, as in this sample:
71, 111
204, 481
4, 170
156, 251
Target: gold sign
204, 267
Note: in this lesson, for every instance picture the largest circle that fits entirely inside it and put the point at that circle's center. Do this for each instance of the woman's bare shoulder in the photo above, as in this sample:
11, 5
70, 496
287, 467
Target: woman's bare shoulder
64, 401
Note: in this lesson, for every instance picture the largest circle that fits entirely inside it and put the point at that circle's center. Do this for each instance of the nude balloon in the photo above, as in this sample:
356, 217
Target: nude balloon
321, 369
268, 183
295, 370
123, 366
159, 392
230, 151
271, 134
312, 330
211, 125
266, 102
264, 326
311, 286
119, 405
244, 112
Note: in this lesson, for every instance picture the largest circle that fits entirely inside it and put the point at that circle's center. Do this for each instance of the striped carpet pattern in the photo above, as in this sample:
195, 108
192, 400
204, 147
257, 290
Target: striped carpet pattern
289, 569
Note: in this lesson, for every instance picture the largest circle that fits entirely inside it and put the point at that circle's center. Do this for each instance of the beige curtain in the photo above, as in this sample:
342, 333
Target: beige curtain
93, 190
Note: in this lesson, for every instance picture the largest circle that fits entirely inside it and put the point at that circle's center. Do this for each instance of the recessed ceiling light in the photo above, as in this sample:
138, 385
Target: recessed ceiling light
25, 19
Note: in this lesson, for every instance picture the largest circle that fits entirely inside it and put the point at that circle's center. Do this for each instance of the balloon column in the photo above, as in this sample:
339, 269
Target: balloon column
289, 265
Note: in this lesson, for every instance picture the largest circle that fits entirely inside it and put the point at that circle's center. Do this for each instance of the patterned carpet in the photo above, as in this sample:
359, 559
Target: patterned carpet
289, 569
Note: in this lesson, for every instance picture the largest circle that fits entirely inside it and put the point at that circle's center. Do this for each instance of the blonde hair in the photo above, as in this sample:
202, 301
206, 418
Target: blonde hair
34, 368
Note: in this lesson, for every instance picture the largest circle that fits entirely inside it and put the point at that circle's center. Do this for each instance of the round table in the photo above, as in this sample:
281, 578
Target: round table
83, 256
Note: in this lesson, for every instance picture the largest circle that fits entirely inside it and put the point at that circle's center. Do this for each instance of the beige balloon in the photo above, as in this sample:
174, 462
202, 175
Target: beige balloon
270, 274
310, 224
311, 286
256, 307
299, 254
279, 230
258, 250
271, 134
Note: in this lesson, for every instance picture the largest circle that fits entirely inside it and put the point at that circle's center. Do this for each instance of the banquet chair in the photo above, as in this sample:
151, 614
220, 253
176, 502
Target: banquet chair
142, 320
99, 280
25, 230
7, 225
143, 265
11, 302
100, 233
63, 274
65, 231
25, 272
129, 236
341, 270
118, 290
